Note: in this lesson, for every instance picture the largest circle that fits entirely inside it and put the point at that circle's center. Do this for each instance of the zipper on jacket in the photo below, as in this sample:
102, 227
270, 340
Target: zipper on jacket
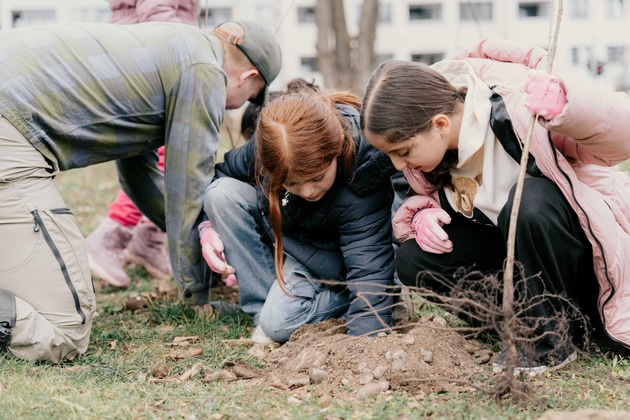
590, 229
39, 225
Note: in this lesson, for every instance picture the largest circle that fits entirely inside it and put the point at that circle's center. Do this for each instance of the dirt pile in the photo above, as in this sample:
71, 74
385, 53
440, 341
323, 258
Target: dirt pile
425, 357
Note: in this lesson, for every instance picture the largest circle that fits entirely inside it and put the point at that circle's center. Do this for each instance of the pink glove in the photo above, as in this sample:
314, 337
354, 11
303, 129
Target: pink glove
230, 280
212, 249
427, 223
545, 94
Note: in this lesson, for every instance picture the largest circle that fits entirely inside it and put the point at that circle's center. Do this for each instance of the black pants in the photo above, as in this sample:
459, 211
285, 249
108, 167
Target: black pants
550, 243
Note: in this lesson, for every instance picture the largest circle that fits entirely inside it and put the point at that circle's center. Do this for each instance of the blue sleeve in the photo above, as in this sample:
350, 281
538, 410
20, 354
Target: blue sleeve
366, 243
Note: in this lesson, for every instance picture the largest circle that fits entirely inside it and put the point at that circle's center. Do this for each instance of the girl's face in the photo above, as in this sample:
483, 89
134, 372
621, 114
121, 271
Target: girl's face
314, 187
423, 151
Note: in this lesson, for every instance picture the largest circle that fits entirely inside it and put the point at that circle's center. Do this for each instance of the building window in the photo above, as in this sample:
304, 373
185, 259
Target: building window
306, 14
23, 18
264, 14
475, 11
616, 54
614, 9
581, 55
427, 58
309, 65
533, 9
425, 12
213, 16
384, 13
578, 9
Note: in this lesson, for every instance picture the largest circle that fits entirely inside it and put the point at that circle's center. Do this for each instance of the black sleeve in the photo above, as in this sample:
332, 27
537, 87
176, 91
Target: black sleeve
239, 163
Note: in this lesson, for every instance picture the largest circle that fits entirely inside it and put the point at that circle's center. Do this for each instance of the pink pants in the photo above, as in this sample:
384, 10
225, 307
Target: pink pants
122, 210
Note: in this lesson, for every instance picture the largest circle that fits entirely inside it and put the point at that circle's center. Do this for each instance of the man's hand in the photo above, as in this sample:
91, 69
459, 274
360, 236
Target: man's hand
212, 249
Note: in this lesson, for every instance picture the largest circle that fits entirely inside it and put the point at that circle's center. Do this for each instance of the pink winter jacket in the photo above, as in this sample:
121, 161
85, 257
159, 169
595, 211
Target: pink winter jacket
591, 135
135, 11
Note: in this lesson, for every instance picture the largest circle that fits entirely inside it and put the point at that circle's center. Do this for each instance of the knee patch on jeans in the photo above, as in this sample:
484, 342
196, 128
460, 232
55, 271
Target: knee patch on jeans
7, 316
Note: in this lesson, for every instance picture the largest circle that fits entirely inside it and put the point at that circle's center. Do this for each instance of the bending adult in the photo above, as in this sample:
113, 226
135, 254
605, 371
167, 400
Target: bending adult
124, 235
77, 95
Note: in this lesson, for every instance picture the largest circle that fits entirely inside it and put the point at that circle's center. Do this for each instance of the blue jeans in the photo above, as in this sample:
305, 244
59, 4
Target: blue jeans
232, 207
311, 302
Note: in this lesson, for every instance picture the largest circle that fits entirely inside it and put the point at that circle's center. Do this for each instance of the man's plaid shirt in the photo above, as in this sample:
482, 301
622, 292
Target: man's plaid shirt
89, 93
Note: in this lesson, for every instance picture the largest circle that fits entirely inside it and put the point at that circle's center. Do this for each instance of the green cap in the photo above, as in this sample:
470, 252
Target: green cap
260, 45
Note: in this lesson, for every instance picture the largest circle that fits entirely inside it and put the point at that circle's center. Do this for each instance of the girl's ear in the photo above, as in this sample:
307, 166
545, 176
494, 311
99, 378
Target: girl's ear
442, 124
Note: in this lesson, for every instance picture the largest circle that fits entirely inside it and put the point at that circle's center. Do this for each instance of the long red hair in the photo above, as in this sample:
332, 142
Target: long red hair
299, 135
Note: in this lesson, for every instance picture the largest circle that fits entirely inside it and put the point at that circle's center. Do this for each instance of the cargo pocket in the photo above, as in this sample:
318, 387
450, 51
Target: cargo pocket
61, 234
18, 245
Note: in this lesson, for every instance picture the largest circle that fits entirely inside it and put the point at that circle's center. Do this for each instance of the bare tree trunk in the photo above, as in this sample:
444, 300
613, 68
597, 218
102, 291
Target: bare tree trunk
365, 44
344, 50
325, 42
344, 61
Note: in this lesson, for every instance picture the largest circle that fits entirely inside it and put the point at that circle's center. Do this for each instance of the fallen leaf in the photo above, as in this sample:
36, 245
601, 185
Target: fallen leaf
184, 341
195, 352
159, 372
135, 303
223, 374
195, 369
244, 372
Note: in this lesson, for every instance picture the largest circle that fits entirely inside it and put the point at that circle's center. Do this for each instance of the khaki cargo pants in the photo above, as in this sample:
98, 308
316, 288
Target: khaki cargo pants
43, 261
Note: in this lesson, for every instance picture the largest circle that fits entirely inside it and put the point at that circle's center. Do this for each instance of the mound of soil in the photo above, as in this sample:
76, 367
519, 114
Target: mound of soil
425, 357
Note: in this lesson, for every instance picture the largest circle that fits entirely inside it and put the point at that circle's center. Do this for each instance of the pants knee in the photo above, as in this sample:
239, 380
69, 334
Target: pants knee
540, 201
276, 329
216, 193
224, 194
409, 263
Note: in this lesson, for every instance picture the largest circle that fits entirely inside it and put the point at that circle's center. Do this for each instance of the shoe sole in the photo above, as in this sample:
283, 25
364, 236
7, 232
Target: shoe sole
98, 271
153, 270
535, 371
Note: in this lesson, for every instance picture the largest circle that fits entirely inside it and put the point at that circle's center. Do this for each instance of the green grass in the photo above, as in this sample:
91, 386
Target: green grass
118, 378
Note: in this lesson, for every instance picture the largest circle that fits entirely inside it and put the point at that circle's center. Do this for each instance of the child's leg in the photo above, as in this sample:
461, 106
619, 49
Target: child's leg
121, 238
555, 253
122, 210
312, 302
232, 207
475, 247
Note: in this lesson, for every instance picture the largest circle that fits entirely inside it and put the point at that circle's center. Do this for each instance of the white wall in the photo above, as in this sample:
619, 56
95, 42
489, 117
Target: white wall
402, 37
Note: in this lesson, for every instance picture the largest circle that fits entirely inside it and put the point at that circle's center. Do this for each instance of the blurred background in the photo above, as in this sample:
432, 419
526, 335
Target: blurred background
337, 43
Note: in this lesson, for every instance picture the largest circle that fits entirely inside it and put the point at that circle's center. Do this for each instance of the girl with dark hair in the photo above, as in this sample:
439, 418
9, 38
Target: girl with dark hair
306, 201
455, 130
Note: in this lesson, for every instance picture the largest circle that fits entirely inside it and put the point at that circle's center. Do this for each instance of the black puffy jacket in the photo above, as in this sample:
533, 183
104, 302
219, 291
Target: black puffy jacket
344, 236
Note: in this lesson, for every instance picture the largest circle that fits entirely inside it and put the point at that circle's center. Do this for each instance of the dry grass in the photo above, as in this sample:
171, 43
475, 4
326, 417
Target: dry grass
137, 367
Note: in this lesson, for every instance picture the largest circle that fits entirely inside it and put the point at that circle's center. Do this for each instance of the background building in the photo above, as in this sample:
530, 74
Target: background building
594, 35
